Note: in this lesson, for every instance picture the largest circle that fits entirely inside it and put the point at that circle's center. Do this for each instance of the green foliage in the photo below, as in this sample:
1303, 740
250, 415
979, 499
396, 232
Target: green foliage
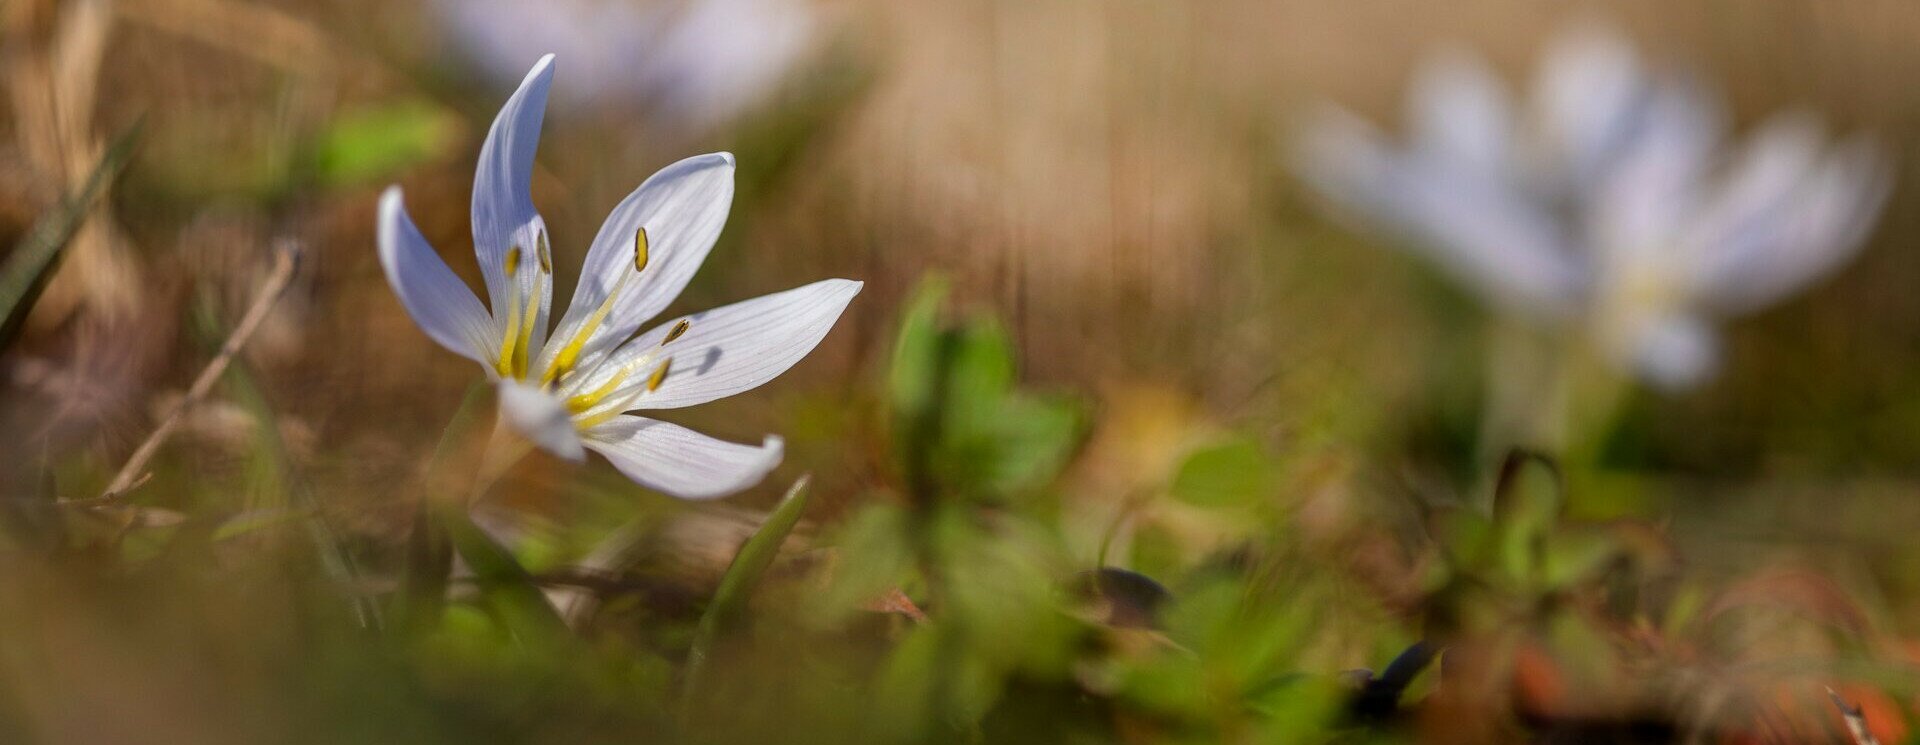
743, 574
507, 588
961, 426
1228, 474
378, 143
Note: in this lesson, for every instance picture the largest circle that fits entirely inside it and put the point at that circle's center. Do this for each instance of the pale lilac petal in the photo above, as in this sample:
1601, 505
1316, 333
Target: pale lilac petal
679, 461
1643, 202
1587, 96
723, 56
1744, 221
439, 302
1461, 116
1820, 230
683, 208
1675, 353
730, 349
541, 417
1479, 227
504, 218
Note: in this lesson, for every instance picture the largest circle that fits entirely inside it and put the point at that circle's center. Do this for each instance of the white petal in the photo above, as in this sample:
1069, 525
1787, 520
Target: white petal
680, 461
1477, 225
733, 348
1675, 353
722, 56
1643, 201
1588, 91
1746, 220
1821, 226
540, 417
683, 208
1461, 115
438, 301
503, 213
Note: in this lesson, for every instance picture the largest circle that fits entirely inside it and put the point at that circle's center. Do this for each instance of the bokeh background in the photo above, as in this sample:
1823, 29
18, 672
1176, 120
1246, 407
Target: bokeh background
1110, 179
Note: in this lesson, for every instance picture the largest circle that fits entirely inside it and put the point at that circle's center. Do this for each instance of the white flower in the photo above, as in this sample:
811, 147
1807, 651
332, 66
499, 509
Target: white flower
1610, 204
569, 392
692, 63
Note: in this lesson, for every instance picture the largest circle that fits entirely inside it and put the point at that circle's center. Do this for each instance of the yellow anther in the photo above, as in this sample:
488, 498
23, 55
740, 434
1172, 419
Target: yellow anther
679, 329
513, 262
545, 254
659, 375
640, 250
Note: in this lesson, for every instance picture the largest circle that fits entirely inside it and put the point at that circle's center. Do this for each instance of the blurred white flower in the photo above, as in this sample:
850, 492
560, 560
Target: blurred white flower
569, 392
691, 63
1611, 204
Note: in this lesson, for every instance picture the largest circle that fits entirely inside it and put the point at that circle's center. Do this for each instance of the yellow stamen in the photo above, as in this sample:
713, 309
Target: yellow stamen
529, 319
678, 330
659, 376
582, 402
545, 254
510, 339
568, 355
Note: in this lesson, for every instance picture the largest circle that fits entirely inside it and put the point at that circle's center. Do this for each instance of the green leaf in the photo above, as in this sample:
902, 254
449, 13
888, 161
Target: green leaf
1228, 474
34, 258
374, 144
1033, 439
730, 600
1527, 504
981, 367
429, 556
916, 387
912, 378
510, 591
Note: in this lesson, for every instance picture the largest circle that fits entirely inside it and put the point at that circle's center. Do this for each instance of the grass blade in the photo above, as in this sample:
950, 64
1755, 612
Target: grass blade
736, 586
33, 259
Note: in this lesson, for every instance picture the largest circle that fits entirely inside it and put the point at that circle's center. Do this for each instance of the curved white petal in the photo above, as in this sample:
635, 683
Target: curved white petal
1480, 227
680, 461
1824, 225
1461, 114
503, 215
1746, 219
438, 301
540, 417
683, 208
1643, 202
730, 349
1587, 93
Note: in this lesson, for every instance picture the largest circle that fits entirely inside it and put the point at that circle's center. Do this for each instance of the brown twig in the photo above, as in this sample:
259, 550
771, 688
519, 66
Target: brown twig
285, 259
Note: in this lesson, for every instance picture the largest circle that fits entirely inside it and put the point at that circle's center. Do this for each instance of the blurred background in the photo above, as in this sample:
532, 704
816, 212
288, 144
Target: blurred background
1104, 184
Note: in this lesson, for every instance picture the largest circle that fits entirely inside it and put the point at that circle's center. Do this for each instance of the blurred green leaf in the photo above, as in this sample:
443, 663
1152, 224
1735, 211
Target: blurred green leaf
33, 259
1527, 503
961, 427
1228, 474
374, 144
736, 586
509, 590
429, 559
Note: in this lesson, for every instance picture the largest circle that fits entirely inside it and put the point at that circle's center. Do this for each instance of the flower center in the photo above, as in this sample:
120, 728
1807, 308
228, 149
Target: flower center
569, 355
